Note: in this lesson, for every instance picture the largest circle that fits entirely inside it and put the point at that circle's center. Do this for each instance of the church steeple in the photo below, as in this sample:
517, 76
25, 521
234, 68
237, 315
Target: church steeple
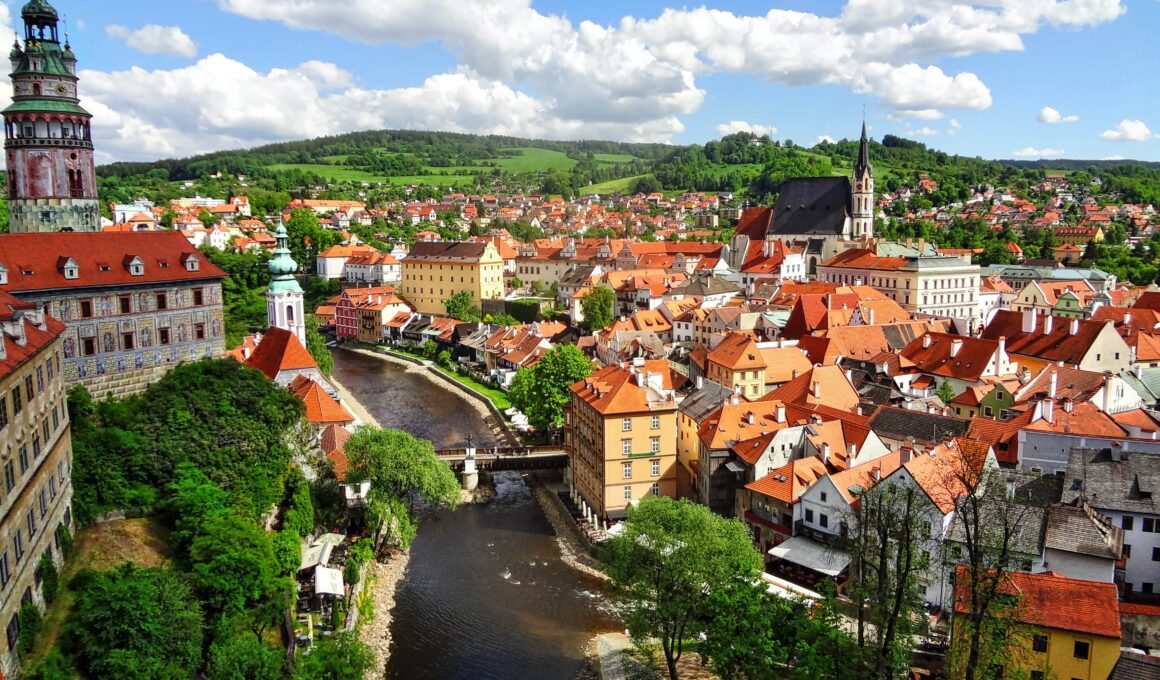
862, 200
284, 297
51, 178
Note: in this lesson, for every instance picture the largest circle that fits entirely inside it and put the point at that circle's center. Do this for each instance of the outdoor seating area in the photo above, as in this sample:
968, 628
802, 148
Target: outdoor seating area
320, 588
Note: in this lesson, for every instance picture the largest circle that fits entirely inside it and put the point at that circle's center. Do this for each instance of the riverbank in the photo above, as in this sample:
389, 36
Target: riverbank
384, 588
353, 405
573, 550
486, 410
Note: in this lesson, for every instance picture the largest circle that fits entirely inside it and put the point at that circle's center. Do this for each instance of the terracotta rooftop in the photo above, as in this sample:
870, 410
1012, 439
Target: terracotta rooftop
280, 350
1051, 601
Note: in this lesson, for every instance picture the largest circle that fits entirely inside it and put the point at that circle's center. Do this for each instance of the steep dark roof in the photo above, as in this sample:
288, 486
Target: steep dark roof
812, 205
440, 250
701, 403
926, 428
1111, 479
1136, 666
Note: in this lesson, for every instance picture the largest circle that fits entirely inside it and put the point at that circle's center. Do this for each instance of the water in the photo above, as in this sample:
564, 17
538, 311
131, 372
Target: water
486, 595
406, 400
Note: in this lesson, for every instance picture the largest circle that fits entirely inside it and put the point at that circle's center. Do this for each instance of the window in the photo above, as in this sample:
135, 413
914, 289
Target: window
1081, 649
162, 301
126, 302
13, 632
1039, 643
1127, 551
86, 309
18, 545
39, 378
3, 412
163, 336
628, 493
1156, 554
127, 341
809, 515
29, 390
1146, 588
655, 444
655, 490
198, 297
656, 468
31, 523
823, 496
1036, 675
35, 446
55, 420
199, 331
1149, 525
824, 520
1126, 522
23, 459
52, 487
43, 500
626, 425
5, 571
9, 476
626, 446
656, 422
626, 471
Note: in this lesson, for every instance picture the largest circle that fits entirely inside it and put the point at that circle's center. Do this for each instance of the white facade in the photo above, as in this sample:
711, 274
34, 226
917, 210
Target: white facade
285, 310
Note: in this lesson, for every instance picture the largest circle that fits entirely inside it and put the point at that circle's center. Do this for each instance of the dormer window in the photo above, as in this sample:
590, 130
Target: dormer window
68, 267
3, 275
135, 265
191, 263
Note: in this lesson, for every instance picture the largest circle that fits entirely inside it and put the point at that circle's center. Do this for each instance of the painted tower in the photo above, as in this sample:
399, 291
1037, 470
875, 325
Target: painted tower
51, 179
284, 296
862, 215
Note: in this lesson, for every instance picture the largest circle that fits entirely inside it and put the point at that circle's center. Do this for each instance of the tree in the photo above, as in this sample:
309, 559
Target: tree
30, 623
232, 563
244, 658
135, 623
669, 555
946, 392
460, 306
599, 309
543, 390
316, 345
749, 633
401, 470
343, 657
49, 579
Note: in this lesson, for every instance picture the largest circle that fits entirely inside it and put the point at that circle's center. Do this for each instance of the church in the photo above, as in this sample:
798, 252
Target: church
820, 215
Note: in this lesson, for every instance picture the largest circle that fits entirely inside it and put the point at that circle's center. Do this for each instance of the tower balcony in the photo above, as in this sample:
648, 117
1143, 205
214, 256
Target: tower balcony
42, 142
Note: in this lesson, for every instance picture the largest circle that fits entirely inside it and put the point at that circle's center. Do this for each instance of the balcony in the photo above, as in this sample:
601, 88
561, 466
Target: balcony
754, 518
800, 528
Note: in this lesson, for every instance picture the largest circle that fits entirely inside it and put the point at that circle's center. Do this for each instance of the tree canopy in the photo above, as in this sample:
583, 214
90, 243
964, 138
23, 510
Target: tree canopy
542, 391
460, 306
598, 308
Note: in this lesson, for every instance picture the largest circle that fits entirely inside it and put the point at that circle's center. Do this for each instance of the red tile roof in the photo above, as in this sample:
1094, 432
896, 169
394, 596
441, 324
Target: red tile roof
35, 339
279, 350
35, 261
321, 408
932, 354
1051, 601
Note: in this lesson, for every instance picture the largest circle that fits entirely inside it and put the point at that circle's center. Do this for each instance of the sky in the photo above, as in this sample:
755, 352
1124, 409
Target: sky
992, 78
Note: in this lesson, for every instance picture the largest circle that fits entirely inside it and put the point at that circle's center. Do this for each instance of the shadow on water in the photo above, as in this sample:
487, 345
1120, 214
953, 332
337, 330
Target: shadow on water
485, 596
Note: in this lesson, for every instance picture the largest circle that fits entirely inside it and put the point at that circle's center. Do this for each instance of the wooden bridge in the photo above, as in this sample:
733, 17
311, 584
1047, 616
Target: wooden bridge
508, 457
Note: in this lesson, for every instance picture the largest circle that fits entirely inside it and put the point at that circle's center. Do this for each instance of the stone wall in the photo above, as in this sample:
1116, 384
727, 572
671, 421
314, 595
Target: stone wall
53, 215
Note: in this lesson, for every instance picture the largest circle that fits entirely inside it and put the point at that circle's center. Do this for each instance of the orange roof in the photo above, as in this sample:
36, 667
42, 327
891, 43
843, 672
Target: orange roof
932, 354
821, 385
321, 408
35, 339
280, 350
737, 352
783, 364
864, 258
1048, 600
614, 389
789, 482
333, 445
741, 422
865, 475
940, 471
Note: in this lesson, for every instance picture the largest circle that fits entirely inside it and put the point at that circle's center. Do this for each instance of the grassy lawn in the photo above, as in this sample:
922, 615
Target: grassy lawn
616, 186
434, 180
497, 396
614, 157
535, 160
102, 547
337, 173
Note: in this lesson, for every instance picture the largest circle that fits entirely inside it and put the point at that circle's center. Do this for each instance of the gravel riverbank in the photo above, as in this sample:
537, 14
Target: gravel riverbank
377, 632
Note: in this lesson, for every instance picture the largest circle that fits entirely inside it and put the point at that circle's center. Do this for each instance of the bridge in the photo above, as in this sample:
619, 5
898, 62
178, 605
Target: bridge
508, 457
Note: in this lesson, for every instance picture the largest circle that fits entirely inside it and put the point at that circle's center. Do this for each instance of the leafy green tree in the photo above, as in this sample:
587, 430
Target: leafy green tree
316, 345
946, 392
502, 320
244, 658
49, 579
343, 657
287, 547
135, 623
749, 633
400, 469
232, 563
668, 556
543, 391
460, 306
30, 624
599, 309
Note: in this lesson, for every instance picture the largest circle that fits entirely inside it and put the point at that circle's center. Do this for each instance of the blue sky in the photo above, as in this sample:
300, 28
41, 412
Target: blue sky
995, 78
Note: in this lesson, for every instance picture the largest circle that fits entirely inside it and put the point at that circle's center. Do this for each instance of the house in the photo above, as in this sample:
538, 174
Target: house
1038, 340
620, 434
282, 358
769, 505
698, 406
959, 360
939, 286
331, 263
321, 408
434, 271
1071, 628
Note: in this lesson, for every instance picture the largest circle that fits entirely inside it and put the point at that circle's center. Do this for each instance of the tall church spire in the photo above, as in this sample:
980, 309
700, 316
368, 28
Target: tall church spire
863, 164
862, 213
51, 178
284, 297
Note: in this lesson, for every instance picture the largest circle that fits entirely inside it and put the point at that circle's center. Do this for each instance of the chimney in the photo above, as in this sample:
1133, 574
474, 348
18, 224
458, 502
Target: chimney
926, 341
905, 453
851, 450
751, 418
816, 390
870, 317
1067, 405
1073, 327
1107, 400
956, 345
825, 452
700, 382
1048, 323
1002, 350
1046, 408
734, 399
877, 473
921, 246
1030, 320
1127, 318
3, 348
780, 413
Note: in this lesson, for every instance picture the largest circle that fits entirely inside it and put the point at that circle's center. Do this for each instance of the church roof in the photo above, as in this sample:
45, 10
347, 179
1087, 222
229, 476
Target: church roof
280, 350
812, 206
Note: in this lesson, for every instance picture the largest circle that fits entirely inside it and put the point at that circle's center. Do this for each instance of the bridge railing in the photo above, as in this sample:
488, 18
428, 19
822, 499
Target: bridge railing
502, 451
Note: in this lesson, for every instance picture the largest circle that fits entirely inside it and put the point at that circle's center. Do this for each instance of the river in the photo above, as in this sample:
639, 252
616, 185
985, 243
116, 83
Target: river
486, 595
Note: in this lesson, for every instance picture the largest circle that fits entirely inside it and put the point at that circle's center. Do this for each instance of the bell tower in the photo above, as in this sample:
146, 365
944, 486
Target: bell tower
284, 305
862, 215
47, 135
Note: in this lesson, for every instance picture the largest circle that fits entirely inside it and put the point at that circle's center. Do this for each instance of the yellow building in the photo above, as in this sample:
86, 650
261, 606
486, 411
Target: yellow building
621, 437
433, 271
1072, 627
36, 458
737, 362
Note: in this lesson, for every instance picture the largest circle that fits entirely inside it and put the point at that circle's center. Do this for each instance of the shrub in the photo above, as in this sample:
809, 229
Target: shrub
49, 580
30, 622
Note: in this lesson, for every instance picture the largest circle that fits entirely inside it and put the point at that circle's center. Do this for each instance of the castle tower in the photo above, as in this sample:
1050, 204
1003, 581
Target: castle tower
284, 296
51, 179
863, 197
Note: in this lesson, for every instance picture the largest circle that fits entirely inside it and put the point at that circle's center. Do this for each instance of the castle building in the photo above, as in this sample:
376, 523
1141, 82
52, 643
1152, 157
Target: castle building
820, 216
51, 178
134, 304
36, 457
284, 296
434, 271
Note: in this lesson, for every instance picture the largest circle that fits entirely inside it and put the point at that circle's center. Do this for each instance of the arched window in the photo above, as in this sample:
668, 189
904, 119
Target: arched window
290, 313
36, 89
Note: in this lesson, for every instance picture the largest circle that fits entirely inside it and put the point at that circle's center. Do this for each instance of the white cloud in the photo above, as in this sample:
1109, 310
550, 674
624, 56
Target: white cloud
1053, 116
954, 127
920, 114
326, 76
825, 139
1032, 152
1129, 131
155, 39
735, 126
923, 132
1112, 158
